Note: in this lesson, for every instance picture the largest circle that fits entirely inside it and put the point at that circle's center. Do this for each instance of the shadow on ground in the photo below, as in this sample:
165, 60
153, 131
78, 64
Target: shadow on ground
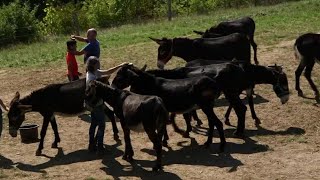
192, 154
65, 159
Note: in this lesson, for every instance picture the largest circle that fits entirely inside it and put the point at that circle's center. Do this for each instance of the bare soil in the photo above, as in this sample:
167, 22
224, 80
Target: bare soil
285, 146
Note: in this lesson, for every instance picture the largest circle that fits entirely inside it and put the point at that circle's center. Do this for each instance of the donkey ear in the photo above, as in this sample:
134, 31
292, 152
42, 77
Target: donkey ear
132, 74
144, 68
17, 96
198, 32
158, 41
25, 108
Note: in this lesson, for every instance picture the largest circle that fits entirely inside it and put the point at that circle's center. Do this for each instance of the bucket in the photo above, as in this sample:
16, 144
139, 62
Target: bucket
29, 133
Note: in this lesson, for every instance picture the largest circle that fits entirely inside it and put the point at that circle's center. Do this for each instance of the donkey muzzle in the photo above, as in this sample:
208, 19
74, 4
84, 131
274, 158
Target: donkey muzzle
160, 64
13, 132
284, 99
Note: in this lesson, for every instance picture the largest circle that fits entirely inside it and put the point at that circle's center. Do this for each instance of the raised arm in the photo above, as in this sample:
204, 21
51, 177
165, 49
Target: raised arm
79, 38
3, 105
112, 70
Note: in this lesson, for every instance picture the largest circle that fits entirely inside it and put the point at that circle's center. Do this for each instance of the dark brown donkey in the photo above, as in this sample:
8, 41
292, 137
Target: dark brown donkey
136, 112
307, 50
245, 25
65, 99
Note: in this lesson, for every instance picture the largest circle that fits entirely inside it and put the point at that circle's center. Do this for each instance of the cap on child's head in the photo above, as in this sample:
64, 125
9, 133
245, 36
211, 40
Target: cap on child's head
71, 43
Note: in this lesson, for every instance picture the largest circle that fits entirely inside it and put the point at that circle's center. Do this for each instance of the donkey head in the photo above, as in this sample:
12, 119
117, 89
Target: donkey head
165, 51
280, 87
91, 99
126, 76
16, 114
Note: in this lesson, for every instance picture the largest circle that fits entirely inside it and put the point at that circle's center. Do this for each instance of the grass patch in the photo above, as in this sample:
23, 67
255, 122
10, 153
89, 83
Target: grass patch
273, 24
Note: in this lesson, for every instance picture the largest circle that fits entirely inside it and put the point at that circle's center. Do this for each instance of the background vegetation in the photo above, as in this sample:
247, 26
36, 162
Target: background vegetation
273, 24
26, 20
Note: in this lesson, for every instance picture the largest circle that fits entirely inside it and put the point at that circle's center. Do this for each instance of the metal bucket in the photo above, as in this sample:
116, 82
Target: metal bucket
29, 133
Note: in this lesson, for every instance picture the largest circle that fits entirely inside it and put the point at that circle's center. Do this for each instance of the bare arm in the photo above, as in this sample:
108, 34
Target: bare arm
112, 70
79, 53
79, 38
3, 105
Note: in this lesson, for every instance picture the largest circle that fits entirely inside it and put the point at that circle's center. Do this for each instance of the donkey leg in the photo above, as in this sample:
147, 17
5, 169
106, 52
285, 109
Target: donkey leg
227, 115
195, 117
298, 73
115, 130
128, 152
251, 105
187, 118
171, 118
156, 140
42, 135
240, 110
307, 74
54, 126
165, 138
254, 46
214, 121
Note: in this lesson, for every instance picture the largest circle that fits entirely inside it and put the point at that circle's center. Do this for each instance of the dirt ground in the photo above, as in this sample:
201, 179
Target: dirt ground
285, 146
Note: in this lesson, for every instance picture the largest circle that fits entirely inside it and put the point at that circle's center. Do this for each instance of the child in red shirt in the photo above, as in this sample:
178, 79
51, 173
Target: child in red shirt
72, 72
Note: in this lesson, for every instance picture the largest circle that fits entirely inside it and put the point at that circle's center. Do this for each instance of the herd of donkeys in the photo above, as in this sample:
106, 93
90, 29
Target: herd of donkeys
217, 63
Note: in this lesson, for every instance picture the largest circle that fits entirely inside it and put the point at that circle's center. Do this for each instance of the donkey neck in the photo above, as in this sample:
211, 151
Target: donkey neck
111, 95
26, 100
183, 48
144, 83
261, 75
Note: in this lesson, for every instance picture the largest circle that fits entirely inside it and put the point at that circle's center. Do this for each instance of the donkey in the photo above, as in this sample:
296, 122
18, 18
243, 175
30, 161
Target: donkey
221, 49
245, 25
232, 79
136, 112
64, 98
179, 96
307, 50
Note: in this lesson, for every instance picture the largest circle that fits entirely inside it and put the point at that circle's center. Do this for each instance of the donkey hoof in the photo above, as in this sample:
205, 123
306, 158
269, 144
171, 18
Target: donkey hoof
157, 168
186, 135
300, 93
227, 122
199, 123
257, 121
130, 159
54, 145
38, 152
165, 144
116, 137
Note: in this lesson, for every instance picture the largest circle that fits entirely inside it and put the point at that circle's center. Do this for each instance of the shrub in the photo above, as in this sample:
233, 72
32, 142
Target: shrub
17, 24
64, 19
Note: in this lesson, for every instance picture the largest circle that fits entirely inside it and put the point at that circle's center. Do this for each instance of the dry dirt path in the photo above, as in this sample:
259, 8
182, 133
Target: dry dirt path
286, 146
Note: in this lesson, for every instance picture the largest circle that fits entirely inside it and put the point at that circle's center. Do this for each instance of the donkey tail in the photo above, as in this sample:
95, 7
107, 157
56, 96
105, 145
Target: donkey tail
297, 54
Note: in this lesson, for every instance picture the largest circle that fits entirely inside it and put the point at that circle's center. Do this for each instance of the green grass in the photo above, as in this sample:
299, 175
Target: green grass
130, 42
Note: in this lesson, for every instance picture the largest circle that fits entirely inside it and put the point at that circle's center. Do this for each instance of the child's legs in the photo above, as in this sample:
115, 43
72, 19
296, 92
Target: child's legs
99, 116
92, 129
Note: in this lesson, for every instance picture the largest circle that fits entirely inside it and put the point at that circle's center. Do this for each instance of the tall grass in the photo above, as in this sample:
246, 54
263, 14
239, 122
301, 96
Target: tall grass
130, 42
